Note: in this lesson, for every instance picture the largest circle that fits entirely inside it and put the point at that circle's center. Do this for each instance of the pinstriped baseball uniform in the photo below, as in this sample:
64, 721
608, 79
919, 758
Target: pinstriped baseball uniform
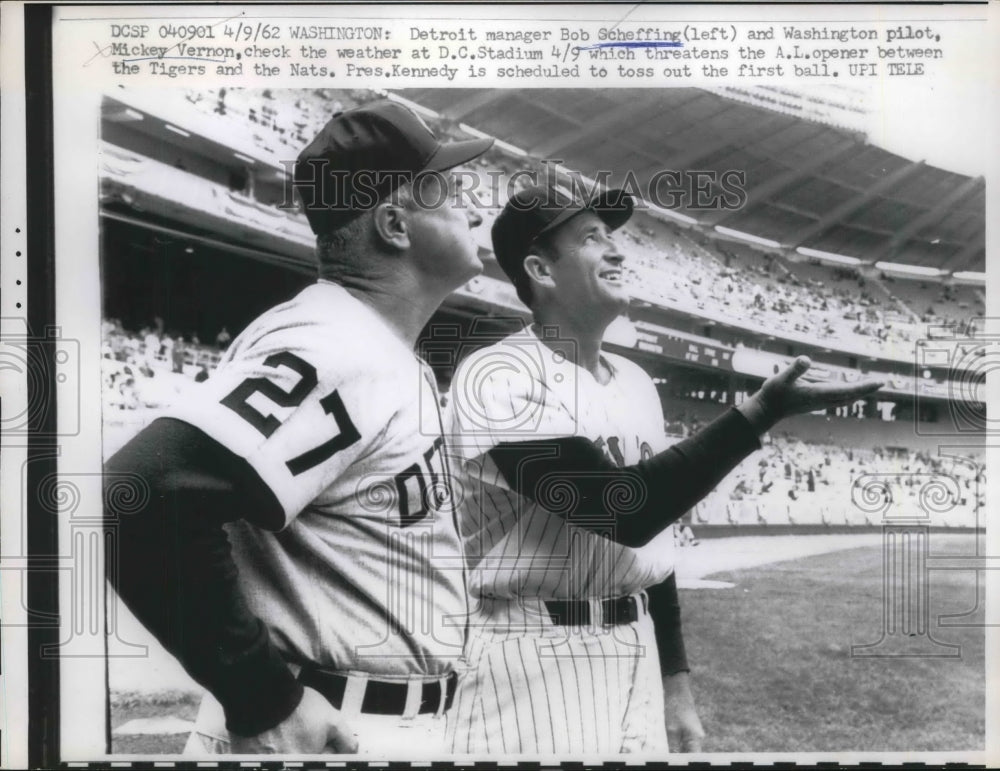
534, 686
341, 421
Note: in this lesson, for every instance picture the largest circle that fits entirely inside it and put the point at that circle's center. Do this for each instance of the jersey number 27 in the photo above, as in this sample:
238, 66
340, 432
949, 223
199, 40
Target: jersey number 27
268, 424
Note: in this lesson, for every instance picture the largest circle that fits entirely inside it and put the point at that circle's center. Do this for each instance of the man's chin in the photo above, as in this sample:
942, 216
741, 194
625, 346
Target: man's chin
476, 267
618, 301
472, 268
607, 307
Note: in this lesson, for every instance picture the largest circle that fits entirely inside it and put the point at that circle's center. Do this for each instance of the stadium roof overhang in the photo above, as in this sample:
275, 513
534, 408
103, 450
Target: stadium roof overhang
811, 187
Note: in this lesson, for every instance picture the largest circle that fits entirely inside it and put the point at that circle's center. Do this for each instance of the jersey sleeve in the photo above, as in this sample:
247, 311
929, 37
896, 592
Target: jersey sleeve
491, 404
297, 412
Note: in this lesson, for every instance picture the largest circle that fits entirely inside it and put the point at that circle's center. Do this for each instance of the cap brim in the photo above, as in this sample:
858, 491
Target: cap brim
614, 207
456, 153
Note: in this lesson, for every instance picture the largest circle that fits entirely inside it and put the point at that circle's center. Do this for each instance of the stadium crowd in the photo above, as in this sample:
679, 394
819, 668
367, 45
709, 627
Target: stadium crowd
667, 264
792, 481
276, 120
810, 302
150, 367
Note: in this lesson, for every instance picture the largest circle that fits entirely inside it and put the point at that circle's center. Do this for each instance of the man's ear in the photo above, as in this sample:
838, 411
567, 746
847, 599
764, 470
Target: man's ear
391, 225
538, 270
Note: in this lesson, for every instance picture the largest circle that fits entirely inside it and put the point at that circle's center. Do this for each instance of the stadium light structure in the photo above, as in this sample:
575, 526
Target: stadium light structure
840, 259
747, 237
912, 270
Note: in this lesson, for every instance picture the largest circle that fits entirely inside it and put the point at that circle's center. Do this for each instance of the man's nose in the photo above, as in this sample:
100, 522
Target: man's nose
475, 220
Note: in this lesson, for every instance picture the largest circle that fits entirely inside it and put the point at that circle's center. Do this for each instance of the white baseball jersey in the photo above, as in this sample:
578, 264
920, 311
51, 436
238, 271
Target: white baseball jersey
341, 421
520, 390
533, 686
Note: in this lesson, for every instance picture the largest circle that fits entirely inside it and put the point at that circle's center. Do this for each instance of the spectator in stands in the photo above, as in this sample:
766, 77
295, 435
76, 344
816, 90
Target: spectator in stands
167, 347
151, 345
177, 355
687, 537
129, 397
223, 339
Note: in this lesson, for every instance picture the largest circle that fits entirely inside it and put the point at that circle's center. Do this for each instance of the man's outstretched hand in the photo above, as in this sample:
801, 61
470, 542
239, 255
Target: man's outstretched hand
784, 394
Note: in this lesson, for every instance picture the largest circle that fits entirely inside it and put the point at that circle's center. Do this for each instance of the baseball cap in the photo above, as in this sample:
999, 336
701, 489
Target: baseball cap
362, 155
537, 210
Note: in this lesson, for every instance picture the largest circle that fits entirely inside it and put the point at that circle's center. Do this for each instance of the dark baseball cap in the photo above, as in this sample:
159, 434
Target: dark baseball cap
362, 155
534, 211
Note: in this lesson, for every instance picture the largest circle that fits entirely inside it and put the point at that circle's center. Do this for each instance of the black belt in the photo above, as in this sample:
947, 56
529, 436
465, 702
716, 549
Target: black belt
381, 697
614, 612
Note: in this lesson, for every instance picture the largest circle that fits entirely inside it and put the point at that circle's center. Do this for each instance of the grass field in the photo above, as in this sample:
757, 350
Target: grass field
772, 668
136, 706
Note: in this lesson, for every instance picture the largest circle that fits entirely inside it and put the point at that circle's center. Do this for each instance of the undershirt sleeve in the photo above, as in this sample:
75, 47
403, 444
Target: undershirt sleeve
172, 564
665, 608
572, 478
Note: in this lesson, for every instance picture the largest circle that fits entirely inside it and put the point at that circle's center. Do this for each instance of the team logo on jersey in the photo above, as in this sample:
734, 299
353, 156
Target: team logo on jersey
410, 496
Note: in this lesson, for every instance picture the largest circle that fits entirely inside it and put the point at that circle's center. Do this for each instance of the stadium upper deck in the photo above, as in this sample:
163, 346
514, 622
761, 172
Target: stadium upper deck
218, 161
809, 185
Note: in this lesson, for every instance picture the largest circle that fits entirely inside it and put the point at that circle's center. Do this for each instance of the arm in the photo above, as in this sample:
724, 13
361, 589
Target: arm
684, 729
651, 494
573, 479
175, 571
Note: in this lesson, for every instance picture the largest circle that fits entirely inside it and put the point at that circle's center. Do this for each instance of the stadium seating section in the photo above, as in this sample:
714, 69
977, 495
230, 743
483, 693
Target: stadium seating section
792, 481
668, 265
148, 369
795, 480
